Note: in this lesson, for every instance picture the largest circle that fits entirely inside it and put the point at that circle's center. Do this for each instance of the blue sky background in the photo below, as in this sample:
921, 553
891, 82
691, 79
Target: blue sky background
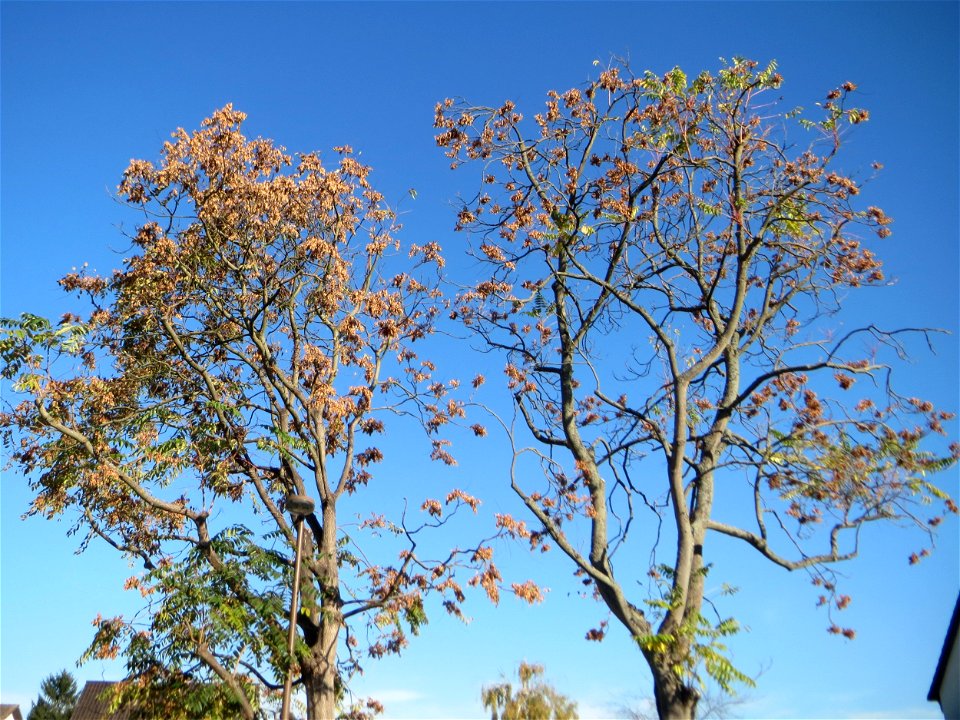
87, 86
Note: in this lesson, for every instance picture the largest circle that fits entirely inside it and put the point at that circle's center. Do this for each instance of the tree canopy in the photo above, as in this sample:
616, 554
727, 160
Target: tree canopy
661, 262
665, 257
258, 339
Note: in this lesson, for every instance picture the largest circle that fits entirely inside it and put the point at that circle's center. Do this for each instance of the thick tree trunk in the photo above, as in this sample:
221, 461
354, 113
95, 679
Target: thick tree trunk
322, 690
320, 670
320, 683
675, 700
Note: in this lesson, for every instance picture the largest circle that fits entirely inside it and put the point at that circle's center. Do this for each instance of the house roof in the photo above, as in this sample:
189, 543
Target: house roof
948, 643
94, 703
10, 712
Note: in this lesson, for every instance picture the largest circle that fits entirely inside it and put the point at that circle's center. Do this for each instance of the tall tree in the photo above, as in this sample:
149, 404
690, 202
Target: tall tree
58, 696
663, 265
253, 346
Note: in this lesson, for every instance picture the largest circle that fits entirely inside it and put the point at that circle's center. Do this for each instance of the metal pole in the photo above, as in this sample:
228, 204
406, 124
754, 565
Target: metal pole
292, 636
299, 506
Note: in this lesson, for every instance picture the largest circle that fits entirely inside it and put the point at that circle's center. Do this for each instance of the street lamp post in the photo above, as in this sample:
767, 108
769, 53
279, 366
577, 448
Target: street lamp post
299, 506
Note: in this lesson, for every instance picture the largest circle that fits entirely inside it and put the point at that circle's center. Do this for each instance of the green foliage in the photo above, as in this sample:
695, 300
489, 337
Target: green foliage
534, 700
25, 342
164, 695
230, 607
58, 696
703, 653
694, 651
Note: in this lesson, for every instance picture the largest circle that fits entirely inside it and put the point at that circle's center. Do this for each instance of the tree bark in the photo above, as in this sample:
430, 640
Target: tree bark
320, 669
319, 680
675, 700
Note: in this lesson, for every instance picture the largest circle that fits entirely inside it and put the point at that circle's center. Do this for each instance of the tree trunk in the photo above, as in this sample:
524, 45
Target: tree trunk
675, 700
320, 671
320, 684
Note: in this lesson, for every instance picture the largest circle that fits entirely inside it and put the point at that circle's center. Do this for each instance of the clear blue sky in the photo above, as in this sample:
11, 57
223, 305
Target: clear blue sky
87, 86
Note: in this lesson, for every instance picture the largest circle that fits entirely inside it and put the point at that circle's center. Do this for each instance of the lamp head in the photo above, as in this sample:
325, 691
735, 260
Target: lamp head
300, 504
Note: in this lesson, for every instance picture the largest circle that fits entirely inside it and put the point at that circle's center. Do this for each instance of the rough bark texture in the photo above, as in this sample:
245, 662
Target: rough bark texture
674, 699
321, 676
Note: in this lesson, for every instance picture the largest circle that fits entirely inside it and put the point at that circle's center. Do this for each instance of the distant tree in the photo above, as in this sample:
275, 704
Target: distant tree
533, 700
263, 330
58, 696
663, 266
